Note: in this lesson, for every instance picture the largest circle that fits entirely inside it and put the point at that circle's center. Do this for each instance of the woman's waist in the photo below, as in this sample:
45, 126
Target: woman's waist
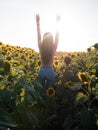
46, 65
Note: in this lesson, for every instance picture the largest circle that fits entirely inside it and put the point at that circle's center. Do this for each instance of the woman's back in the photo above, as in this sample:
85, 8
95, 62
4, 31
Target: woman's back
47, 50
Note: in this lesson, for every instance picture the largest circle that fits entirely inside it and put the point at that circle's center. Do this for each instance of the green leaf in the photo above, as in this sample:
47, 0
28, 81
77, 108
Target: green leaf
67, 124
76, 128
2, 71
6, 120
3, 128
87, 118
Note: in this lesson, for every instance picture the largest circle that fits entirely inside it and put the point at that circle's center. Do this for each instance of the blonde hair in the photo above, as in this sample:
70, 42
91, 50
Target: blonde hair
47, 47
47, 39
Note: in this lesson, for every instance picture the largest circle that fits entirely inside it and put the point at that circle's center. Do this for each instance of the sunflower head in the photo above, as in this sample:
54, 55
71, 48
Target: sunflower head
8, 58
89, 49
6, 66
67, 60
96, 46
83, 76
1, 43
50, 92
67, 84
56, 63
55, 58
16, 55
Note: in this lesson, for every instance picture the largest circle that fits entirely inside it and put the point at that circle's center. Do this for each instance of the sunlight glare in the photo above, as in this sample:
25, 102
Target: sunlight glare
69, 31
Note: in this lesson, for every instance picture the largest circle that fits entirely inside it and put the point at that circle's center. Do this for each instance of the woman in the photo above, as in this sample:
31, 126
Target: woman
47, 48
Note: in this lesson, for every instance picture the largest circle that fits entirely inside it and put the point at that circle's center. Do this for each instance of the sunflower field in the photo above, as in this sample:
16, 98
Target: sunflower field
72, 104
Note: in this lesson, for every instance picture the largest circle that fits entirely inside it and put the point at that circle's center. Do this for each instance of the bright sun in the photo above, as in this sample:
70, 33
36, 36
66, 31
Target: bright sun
69, 31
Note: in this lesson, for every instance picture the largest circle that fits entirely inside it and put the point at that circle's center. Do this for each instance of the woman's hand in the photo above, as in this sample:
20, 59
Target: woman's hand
37, 18
58, 18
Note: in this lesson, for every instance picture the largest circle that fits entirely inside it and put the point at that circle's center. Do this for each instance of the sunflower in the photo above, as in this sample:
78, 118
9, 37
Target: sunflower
89, 49
96, 46
78, 54
8, 58
87, 83
50, 92
97, 122
1, 43
83, 76
16, 55
58, 82
56, 62
67, 84
35, 75
7, 45
9, 48
55, 58
6, 66
96, 85
22, 93
67, 60
1, 47
37, 63
8, 52
26, 54
79, 95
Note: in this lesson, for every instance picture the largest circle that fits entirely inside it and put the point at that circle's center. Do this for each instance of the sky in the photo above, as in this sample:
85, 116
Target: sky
78, 27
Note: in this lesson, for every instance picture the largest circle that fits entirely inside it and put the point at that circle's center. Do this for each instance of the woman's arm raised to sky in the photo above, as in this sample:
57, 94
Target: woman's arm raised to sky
38, 29
57, 31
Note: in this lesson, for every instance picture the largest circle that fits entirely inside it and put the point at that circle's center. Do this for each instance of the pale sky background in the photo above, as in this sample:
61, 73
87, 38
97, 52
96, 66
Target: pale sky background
78, 26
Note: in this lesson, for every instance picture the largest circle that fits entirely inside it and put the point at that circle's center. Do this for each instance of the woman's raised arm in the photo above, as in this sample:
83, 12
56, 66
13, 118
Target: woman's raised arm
57, 31
38, 29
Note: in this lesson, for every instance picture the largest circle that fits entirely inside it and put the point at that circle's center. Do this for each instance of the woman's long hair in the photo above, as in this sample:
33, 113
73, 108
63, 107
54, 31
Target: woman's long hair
47, 47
